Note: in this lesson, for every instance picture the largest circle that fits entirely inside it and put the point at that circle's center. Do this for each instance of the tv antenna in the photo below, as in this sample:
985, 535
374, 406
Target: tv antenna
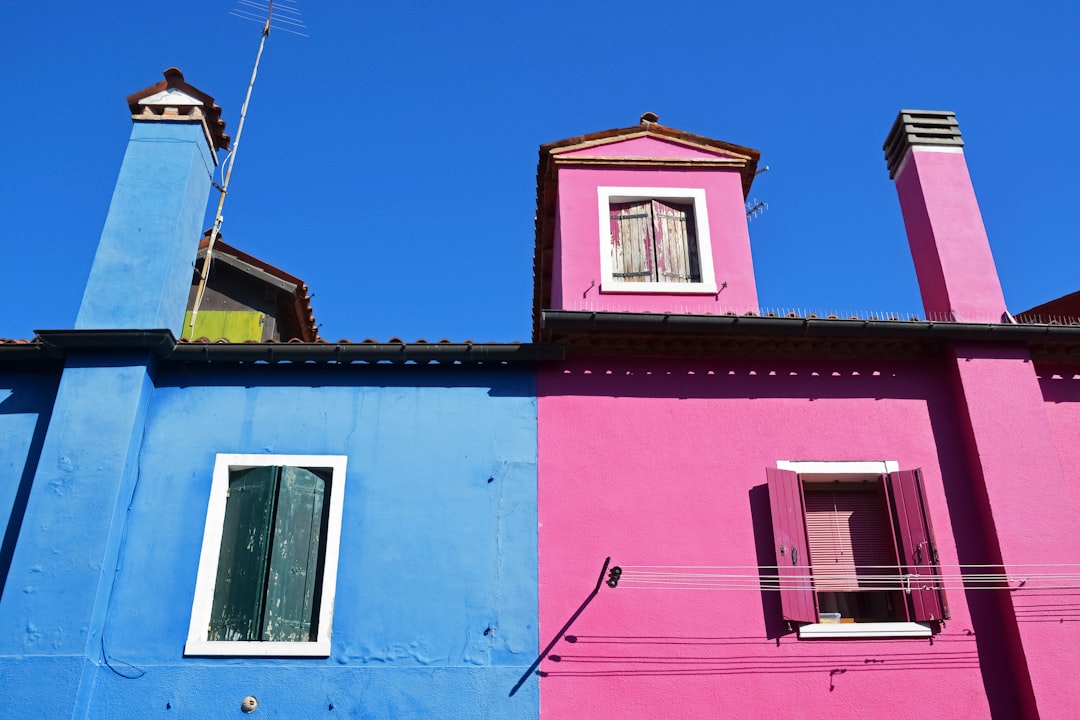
285, 17
756, 207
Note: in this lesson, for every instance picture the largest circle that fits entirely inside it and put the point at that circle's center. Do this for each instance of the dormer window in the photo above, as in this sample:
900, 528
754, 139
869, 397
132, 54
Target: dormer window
655, 240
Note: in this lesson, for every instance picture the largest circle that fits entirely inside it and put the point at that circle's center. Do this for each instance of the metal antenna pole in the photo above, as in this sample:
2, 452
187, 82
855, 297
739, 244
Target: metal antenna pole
224, 189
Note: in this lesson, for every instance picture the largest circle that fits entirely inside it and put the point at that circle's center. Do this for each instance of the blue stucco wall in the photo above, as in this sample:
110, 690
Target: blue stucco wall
58, 587
436, 608
26, 400
142, 269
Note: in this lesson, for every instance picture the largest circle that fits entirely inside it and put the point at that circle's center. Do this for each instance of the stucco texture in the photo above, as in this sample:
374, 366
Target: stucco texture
663, 463
435, 612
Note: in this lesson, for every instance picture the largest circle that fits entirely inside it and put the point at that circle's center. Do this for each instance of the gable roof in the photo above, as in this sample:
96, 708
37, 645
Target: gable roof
710, 153
266, 274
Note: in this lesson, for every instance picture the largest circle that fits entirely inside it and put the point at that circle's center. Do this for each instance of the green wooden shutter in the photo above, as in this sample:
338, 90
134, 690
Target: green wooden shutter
245, 541
295, 575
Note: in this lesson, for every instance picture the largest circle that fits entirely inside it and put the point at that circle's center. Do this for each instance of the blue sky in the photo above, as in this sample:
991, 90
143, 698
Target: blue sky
389, 159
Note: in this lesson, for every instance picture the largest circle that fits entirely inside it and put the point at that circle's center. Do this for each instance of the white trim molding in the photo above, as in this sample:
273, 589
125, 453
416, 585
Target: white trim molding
202, 605
695, 196
842, 467
864, 630
828, 470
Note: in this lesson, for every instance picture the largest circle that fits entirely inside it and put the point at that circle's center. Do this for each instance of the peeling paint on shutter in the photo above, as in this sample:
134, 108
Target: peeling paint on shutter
240, 587
918, 552
797, 598
632, 242
676, 244
295, 575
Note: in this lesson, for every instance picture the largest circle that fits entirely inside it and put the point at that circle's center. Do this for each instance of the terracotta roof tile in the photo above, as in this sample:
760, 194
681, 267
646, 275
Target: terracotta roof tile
174, 80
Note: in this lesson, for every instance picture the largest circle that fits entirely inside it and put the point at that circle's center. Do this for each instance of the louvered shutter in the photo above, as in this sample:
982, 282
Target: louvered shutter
632, 242
797, 598
295, 573
676, 244
918, 552
851, 544
240, 587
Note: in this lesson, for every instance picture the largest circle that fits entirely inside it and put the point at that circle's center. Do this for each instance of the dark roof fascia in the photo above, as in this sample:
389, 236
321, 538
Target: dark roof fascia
584, 322
369, 353
30, 353
59, 343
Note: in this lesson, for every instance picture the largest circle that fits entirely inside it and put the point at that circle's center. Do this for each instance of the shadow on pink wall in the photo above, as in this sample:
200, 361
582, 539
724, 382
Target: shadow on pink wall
907, 406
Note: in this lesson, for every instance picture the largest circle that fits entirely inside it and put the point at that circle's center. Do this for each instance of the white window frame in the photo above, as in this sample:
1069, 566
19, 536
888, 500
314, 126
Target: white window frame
853, 470
201, 607
695, 196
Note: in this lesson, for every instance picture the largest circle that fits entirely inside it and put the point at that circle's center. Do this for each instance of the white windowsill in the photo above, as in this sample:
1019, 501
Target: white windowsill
667, 288
863, 630
206, 648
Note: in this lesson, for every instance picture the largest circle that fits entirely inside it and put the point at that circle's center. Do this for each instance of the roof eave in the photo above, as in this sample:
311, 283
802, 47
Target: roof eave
605, 329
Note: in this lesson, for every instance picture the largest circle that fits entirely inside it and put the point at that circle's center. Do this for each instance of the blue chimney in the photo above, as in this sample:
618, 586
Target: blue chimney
142, 270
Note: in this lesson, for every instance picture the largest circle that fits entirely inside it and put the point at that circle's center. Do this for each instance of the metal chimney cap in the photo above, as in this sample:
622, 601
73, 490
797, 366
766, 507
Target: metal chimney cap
920, 127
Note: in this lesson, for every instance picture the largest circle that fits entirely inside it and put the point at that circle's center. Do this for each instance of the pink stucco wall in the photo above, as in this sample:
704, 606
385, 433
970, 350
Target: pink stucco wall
1060, 387
957, 275
1032, 507
576, 277
663, 463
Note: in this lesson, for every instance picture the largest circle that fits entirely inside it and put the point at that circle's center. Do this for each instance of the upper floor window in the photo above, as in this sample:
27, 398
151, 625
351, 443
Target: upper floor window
268, 567
655, 240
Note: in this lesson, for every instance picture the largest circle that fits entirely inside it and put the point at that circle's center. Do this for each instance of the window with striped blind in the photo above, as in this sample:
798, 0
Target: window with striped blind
854, 548
848, 534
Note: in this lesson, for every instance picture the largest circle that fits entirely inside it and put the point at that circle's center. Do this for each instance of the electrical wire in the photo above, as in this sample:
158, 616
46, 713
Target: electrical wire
1028, 577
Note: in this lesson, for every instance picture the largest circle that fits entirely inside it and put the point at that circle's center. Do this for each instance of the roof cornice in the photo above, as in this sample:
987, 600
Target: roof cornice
601, 332
52, 345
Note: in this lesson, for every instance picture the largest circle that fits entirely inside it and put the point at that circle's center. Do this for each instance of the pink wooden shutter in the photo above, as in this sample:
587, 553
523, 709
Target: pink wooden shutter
849, 537
676, 244
632, 242
797, 598
915, 541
